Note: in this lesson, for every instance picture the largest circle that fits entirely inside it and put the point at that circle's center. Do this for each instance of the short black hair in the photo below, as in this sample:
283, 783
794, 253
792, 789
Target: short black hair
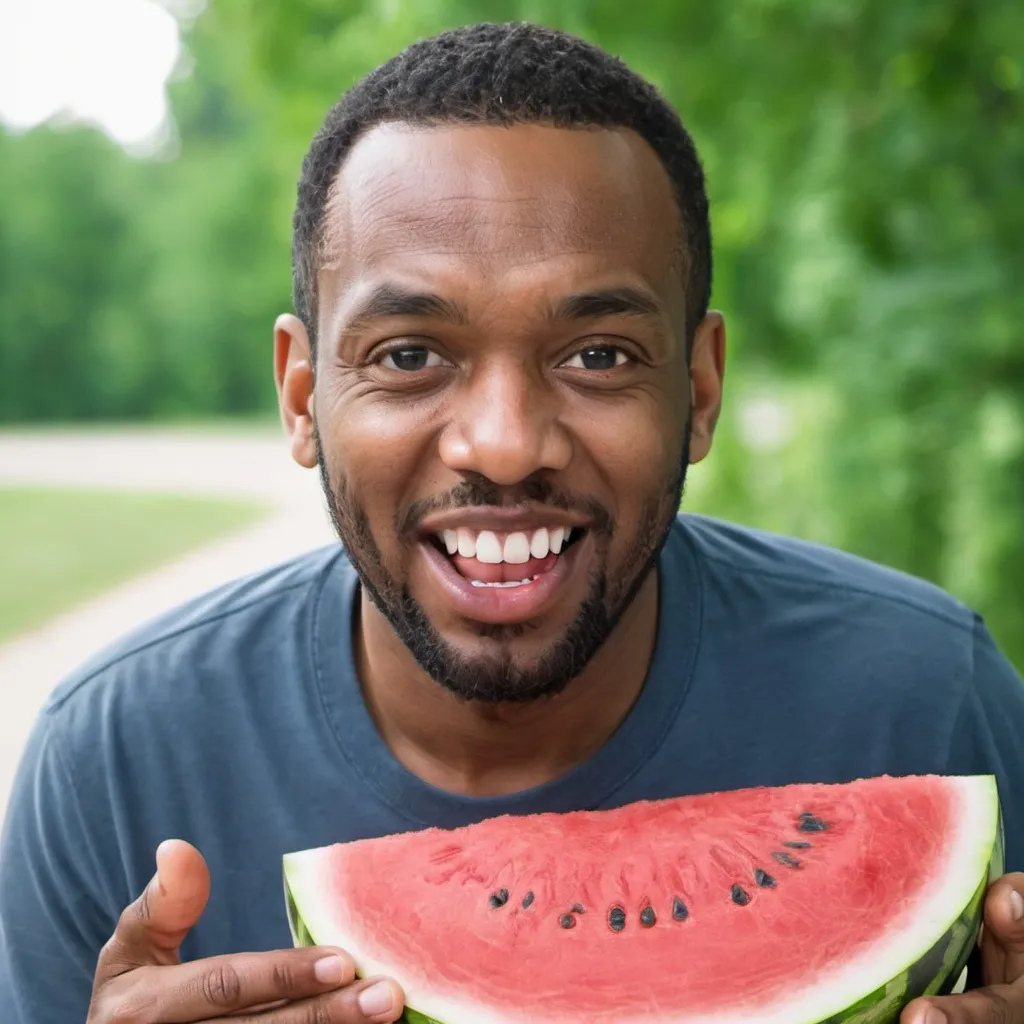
503, 74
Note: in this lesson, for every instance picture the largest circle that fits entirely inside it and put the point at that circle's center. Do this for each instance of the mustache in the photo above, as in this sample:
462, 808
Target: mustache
476, 491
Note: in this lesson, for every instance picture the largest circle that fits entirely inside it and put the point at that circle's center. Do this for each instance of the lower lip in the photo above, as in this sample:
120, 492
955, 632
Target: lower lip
504, 605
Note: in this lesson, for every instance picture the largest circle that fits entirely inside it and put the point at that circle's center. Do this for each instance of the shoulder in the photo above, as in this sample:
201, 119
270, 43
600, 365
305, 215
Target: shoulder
157, 734
837, 629
879, 663
147, 737
216, 635
789, 568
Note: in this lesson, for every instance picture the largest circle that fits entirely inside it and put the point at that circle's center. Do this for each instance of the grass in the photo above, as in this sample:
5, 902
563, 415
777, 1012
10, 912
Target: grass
61, 547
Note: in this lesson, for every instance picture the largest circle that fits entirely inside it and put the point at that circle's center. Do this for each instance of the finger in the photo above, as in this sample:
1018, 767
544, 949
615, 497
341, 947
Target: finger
151, 929
996, 1004
1003, 937
374, 1001
248, 982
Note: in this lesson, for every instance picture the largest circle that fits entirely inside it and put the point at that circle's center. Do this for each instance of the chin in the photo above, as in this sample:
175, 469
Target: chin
483, 681
509, 662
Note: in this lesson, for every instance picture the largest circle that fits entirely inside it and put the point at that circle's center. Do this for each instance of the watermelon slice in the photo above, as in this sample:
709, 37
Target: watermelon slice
794, 905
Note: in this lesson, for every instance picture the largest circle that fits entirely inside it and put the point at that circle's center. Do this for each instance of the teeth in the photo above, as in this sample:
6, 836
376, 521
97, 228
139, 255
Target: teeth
517, 548
538, 543
509, 583
488, 548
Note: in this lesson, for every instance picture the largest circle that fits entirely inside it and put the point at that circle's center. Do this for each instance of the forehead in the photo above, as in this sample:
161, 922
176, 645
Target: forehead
488, 201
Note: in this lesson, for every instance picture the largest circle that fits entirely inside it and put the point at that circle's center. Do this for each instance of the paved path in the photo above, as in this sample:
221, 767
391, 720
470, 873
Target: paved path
254, 466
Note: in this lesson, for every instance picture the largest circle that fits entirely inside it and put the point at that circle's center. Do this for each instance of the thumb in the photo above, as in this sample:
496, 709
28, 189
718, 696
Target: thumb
151, 929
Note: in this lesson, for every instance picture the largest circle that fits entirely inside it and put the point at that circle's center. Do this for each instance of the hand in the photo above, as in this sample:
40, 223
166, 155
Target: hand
140, 979
1001, 1000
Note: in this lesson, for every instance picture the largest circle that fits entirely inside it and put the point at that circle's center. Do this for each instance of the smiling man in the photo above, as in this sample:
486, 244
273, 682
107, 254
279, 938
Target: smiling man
501, 363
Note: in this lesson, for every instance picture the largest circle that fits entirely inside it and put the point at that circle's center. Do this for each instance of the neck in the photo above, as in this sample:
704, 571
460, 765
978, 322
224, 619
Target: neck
489, 750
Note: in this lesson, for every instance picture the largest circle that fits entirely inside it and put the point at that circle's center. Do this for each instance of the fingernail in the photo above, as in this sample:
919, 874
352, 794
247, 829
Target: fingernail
1016, 905
376, 999
329, 970
161, 852
935, 1016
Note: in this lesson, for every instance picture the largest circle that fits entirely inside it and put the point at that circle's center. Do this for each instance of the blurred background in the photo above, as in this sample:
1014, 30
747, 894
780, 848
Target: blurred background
866, 169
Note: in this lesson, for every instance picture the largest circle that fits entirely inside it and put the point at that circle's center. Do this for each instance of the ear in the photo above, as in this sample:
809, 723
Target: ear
293, 374
707, 376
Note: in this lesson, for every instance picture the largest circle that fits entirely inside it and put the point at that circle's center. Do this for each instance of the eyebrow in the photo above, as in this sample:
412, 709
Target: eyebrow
592, 305
390, 300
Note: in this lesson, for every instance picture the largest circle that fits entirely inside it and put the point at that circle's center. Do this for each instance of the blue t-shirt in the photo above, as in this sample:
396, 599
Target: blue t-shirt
237, 723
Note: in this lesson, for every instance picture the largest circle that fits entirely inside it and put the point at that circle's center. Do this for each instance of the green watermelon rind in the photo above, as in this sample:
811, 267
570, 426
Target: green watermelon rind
936, 972
412, 1017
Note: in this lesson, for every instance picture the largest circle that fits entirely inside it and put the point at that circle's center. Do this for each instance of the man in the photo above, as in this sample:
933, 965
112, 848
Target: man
502, 363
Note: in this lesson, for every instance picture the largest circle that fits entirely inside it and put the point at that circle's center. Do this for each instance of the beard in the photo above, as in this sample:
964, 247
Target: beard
496, 676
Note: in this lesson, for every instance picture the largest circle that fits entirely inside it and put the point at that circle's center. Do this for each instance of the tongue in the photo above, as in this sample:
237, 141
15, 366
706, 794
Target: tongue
502, 572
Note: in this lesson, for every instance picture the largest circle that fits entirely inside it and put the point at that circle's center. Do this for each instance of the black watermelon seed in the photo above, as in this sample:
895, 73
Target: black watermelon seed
740, 896
567, 921
616, 919
648, 917
798, 844
763, 879
786, 858
527, 900
679, 911
499, 898
577, 908
811, 824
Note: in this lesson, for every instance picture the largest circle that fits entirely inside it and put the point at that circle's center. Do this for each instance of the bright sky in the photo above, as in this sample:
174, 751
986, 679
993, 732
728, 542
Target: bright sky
102, 62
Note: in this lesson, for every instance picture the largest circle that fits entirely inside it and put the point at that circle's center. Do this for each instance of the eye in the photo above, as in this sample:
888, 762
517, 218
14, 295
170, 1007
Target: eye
411, 358
598, 357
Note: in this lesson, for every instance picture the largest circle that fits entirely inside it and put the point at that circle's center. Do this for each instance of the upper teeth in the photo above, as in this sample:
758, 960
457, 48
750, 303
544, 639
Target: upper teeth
487, 546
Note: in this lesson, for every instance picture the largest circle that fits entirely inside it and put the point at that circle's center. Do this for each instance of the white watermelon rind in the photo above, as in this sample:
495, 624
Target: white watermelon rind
870, 989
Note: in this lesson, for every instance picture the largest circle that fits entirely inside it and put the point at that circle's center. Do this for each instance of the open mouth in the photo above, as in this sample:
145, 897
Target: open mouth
491, 559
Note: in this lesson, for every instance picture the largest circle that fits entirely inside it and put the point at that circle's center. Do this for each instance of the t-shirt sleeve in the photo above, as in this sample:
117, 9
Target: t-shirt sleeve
988, 737
53, 919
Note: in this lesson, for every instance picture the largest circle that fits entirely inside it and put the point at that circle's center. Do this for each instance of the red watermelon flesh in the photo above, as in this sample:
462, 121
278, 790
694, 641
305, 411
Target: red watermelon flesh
777, 905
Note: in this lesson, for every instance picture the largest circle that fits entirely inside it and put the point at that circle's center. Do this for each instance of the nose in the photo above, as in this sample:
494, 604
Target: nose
504, 425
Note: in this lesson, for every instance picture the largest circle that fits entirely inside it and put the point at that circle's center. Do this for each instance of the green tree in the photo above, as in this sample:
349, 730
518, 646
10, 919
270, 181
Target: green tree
65, 265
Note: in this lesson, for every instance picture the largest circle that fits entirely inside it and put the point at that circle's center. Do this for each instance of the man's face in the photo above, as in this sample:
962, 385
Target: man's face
502, 399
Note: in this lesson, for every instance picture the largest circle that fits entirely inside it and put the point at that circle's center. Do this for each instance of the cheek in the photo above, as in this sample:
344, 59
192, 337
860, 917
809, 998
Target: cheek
376, 457
636, 447
377, 448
